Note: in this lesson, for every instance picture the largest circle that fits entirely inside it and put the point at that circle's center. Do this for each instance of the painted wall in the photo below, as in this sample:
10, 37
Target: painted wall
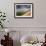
39, 13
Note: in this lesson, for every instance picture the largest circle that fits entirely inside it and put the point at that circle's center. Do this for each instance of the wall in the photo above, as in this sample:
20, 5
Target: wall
37, 23
39, 13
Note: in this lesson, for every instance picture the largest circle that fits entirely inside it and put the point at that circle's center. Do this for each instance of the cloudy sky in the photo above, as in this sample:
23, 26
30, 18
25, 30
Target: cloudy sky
23, 7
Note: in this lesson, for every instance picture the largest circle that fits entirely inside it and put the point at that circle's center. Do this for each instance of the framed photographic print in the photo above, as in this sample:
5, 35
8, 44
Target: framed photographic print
23, 10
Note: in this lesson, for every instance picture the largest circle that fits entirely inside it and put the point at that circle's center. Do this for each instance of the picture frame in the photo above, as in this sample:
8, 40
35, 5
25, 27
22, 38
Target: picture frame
23, 10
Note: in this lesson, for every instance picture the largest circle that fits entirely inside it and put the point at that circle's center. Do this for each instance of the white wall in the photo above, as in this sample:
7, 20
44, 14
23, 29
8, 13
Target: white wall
39, 13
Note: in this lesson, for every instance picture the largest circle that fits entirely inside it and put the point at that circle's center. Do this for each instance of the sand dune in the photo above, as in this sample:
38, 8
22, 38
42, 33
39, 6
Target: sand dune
27, 13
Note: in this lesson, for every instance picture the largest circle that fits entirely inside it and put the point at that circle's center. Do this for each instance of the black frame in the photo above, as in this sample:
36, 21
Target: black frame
23, 17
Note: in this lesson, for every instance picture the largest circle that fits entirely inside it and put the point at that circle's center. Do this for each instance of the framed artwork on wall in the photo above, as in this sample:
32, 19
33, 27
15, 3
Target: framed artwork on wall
23, 10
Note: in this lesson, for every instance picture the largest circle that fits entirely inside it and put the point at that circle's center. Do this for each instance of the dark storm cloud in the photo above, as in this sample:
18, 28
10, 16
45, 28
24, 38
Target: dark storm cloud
23, 6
